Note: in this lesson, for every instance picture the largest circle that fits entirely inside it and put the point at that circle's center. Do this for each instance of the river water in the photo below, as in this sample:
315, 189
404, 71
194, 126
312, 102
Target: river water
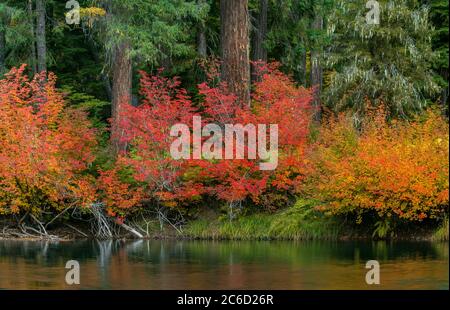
150, 264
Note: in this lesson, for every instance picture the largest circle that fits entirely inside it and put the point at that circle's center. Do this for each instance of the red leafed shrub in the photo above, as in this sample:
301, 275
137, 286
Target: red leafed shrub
44, 146
155, 175
176, 183
395, 170
276, 100
116, 192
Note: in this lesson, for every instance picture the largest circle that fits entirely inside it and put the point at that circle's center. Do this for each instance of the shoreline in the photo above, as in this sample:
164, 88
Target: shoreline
297, 223
68, 235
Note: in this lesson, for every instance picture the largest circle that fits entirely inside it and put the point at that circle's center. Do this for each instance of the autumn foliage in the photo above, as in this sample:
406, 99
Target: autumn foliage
387, 169
44, 147
177, 183
393, 170
146, 170
275, 100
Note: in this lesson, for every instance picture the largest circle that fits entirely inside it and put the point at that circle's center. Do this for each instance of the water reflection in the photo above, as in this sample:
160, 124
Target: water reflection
149, 264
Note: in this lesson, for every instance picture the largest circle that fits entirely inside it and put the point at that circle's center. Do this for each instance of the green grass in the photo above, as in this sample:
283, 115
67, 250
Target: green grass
300, 222
441, 234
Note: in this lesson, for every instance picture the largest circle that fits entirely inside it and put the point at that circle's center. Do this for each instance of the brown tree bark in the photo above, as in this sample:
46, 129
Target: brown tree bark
445, 91
201, 42
302, 75
259, 52
121, 89
40, 36
2, 48
316, 70
95, 52
235, 48
201, 36
31, 20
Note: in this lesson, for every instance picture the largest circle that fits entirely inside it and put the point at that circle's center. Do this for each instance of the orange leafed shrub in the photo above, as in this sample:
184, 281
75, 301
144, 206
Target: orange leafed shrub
44, 146
397, 169
116, 194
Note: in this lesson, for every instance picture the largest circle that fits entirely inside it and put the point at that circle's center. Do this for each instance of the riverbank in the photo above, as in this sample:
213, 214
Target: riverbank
257, 228
299, 222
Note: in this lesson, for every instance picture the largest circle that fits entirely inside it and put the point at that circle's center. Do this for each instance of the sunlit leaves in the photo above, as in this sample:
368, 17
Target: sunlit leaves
396, 169
44, 148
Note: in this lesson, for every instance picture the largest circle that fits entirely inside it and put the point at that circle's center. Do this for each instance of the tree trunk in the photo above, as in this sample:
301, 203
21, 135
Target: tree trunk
201, 42
31, 21
316, 69
121, 89
235, 48
259, 52
2, 48
40, 36
94, 49
302, 76
201, 36
445, 91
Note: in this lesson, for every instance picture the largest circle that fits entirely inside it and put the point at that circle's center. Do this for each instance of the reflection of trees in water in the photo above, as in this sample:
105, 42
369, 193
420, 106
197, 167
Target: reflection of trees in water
34, 251
205, 264
418, 250
235, 252
105, 251
157, 251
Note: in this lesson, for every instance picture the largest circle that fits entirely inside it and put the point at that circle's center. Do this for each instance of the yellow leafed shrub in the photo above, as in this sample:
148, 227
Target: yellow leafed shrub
397, 170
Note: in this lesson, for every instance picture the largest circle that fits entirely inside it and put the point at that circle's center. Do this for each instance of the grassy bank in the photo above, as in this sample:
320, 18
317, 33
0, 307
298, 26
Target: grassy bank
303, 222
441, 234
299, 222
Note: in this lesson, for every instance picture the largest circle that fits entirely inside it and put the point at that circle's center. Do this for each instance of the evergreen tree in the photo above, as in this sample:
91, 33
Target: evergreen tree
235, 45
296, 37
288, 35
41, 43
14, 35
440, 20
390, 61
259, 52
149, 32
